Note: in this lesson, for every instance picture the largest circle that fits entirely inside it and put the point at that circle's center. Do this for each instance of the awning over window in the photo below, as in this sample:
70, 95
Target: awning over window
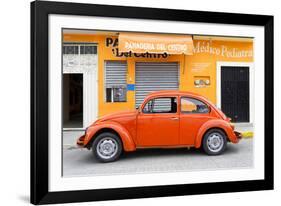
155, 43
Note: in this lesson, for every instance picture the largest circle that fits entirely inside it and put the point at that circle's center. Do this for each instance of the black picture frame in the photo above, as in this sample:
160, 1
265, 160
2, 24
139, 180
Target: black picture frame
39, 102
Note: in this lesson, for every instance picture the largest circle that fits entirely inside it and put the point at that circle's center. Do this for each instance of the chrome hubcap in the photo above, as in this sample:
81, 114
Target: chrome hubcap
215, 142
107, 148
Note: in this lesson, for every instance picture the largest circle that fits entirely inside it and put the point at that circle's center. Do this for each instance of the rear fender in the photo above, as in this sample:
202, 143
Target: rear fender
215, 123
126, 138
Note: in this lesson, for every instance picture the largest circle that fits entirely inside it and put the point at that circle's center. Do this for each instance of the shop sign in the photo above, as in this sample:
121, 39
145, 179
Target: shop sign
113, 42
155, 43
222, 50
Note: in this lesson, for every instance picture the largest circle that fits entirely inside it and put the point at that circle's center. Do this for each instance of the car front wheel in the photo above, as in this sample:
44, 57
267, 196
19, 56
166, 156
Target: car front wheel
107, 147
214, 142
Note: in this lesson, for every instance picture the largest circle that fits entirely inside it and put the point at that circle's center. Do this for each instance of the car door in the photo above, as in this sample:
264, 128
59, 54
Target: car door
158, 123
193, 114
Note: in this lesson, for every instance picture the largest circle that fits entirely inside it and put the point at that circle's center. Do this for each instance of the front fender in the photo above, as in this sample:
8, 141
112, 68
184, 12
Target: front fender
127, 140
215, 123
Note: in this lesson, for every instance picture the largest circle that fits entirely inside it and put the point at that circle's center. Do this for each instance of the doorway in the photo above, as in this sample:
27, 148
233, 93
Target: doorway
73, 100
235, 93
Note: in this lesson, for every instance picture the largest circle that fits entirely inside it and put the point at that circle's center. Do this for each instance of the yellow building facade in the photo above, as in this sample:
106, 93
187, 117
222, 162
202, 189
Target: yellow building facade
193, 69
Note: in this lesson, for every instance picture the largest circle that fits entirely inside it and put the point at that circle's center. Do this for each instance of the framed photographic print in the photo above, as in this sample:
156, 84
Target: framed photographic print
131, 102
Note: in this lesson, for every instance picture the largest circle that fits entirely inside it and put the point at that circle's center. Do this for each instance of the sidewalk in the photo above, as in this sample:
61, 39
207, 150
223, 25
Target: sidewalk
70, 137
244, 127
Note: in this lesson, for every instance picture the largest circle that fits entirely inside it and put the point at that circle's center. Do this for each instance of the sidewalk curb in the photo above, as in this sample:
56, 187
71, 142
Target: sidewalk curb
70, 146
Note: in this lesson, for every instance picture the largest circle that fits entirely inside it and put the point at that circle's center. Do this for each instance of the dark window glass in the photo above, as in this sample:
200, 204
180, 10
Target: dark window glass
70, 49
116, 94
88, 49
82, 49
119, 94
108, 95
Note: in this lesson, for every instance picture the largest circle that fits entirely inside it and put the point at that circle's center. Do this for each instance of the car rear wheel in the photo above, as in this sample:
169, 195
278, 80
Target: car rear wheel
107, 147
214, 142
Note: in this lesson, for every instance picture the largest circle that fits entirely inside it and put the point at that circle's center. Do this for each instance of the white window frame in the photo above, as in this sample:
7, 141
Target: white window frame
251, 84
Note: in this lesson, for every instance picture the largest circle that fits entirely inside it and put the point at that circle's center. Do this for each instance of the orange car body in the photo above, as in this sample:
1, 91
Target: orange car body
137, 129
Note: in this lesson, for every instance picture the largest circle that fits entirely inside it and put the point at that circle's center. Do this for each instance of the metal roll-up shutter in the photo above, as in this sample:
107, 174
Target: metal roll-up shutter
154, 76
115, 73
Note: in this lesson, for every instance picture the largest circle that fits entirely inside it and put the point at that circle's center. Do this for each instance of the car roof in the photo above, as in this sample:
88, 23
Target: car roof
173, 92
167, 93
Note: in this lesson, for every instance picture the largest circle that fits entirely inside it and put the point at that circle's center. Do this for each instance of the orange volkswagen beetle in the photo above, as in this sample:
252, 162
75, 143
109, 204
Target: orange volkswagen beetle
165, 119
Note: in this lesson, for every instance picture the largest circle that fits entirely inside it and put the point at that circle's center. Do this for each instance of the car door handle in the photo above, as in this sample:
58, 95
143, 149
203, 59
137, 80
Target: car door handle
174, 118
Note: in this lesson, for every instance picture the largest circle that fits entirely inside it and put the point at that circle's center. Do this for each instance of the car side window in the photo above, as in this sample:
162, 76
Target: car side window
191, 105
161, 105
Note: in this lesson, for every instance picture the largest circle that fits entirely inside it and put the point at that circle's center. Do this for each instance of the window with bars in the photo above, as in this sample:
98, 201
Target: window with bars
88, 49
70, 49
79, 49
116, 81
78, 57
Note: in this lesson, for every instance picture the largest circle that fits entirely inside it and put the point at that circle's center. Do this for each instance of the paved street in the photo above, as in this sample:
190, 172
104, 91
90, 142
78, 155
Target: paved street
80, 162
